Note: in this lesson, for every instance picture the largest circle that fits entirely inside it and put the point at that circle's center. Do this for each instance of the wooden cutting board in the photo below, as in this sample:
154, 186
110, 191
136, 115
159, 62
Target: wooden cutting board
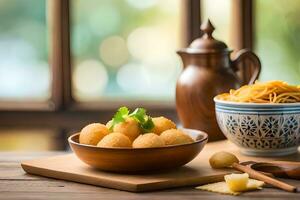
69, 167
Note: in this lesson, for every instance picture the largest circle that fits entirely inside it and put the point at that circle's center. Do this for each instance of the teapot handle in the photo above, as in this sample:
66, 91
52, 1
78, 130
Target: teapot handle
242, 56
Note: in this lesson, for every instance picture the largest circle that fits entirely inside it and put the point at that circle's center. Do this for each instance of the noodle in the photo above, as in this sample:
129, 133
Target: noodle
268, 92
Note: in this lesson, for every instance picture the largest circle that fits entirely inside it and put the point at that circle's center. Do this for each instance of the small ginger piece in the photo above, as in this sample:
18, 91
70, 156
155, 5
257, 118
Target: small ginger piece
237, 182
241, 182
254, 184
234, 184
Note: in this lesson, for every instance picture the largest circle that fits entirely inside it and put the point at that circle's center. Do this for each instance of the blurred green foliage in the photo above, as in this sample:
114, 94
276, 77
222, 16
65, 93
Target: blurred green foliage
95, 21
24, 23
25, 19
24, 50
110, 17
278, 39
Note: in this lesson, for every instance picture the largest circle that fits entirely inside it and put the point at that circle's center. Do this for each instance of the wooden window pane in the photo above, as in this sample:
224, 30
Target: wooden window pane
125, 50
24, 68
277, 41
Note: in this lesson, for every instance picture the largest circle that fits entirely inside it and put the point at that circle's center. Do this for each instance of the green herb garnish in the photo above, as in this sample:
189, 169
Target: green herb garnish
120, 116
139, 115
143, 119
148, 125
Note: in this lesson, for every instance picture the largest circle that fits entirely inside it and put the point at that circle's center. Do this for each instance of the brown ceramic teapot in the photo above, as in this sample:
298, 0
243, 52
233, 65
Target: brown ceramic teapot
209, 71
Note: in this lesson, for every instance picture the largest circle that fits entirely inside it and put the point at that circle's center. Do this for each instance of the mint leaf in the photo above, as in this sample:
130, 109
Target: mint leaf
139, 115
143, 119
120, 116
148, 125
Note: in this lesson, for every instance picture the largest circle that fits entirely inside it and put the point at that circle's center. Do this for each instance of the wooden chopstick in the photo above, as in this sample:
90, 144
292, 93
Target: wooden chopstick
259, 176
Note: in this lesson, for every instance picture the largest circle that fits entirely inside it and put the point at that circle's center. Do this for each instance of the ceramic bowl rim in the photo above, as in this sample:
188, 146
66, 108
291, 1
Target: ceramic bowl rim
202, 133
231, 103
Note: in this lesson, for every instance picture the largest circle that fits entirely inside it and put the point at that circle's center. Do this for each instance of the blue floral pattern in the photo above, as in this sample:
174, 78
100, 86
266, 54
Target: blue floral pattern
248, 126
231, 124
257, 131
270, 127
290, 126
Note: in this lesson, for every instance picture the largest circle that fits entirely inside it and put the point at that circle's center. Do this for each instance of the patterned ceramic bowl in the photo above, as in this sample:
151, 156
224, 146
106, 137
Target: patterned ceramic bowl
260, 129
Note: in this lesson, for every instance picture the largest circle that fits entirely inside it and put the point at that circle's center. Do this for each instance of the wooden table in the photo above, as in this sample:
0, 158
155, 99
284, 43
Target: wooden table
15, 184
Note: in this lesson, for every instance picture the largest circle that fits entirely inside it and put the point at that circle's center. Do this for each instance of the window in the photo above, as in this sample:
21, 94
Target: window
125, 49
67, 63
219, 12
277, 39
70, 57
24, 68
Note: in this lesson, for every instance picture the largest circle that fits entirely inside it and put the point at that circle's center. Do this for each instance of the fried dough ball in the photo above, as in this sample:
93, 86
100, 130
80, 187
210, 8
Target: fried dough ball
129, 127
148, 140
115, 140
175, 136
162, 124
93, 133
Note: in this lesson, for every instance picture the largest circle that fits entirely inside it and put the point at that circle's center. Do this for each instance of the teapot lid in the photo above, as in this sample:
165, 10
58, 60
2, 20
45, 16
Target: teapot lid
207, 43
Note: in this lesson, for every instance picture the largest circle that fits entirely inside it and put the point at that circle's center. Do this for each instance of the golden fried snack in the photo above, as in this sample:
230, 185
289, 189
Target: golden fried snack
93, 133
129, 127
148, 140
115, 140
175, 136
162, 124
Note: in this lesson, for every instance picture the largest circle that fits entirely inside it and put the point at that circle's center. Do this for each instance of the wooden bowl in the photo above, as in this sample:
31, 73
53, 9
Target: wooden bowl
139, 159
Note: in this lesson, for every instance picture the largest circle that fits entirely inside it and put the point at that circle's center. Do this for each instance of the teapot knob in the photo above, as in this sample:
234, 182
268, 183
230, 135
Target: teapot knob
207, 28
207, 43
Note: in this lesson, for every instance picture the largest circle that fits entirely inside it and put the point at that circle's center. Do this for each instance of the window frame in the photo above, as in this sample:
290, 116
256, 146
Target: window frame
61, 112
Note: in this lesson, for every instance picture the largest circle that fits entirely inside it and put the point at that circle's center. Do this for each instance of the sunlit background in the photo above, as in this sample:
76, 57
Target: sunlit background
24, 50
126, 49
